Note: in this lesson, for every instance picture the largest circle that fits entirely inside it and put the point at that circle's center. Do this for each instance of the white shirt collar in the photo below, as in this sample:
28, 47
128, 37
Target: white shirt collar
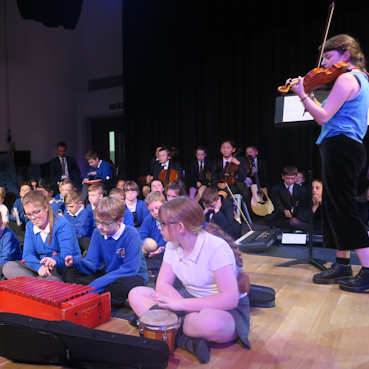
76, 214
226, 160
118, 233
43, 232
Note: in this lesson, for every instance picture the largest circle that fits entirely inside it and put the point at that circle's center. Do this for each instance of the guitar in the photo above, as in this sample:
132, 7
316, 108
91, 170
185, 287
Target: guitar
260, 202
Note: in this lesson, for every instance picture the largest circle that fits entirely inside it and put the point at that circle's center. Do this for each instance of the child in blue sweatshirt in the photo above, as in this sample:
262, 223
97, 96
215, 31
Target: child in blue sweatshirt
128, 216
48, 240
153, 241
134, 206
17, 210
9, 245
114, 260
77, 215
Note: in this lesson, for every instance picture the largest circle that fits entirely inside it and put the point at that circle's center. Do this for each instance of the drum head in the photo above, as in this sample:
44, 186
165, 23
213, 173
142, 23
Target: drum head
159, 318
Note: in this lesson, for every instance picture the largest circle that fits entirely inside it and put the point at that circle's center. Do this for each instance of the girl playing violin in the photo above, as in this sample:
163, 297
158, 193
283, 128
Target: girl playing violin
343, 117
214, 305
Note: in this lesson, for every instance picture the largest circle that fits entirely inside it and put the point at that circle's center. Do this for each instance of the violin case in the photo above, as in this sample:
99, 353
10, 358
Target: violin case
37, 341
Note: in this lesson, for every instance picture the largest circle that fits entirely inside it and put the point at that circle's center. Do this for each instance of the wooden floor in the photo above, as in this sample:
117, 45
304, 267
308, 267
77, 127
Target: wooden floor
311, 327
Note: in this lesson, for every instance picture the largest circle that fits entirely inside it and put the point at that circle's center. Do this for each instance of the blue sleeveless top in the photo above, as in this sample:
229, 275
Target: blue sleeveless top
351, 119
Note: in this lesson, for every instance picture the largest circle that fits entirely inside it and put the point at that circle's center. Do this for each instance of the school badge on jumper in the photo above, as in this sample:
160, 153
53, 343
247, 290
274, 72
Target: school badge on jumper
121, 252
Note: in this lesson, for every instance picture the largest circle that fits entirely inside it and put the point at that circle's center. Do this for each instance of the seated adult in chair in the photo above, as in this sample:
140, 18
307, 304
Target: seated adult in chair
64, 166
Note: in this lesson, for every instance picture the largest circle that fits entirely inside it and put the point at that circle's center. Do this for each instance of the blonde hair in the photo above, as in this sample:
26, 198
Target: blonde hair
38, 197
2, 193
154, 196
110, 208
72, 197
96, 187
131, 185
183, 209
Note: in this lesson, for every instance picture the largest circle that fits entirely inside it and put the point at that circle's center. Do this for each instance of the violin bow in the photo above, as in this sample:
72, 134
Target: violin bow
325, 34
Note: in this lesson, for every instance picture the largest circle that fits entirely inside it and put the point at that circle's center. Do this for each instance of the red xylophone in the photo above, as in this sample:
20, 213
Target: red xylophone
53, 300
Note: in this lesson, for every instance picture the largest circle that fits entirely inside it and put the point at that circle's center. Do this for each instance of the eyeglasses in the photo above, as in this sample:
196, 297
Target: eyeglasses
35, 213
131, 190
104, 223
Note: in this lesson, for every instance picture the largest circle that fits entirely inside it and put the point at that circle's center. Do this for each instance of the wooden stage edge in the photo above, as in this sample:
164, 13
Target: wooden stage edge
311, 326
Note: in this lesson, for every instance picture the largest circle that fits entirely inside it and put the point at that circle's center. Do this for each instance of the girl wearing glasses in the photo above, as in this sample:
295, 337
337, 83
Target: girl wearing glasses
210, 299
48, 239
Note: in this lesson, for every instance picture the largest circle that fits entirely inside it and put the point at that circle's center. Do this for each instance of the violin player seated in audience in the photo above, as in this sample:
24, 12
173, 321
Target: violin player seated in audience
169, 170
199, 173
255, 164
48, 240
213, 301
230, 171
221, 212
114, 262
153, 243
291, 208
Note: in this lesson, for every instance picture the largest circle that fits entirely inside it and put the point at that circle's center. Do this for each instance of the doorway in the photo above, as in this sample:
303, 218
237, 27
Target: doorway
108, 140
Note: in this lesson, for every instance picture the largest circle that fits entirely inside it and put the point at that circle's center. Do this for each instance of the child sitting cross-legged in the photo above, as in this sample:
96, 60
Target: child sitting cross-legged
114, 260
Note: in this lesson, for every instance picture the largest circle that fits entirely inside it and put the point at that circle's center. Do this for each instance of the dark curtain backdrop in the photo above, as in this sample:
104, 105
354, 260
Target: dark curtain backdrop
199, 71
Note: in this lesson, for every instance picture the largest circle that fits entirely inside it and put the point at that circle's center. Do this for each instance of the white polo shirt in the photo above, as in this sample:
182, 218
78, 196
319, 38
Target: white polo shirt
196, 271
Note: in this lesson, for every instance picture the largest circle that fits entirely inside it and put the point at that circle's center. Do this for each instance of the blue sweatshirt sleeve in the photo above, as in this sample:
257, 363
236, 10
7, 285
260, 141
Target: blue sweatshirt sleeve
9, 247
84, 224
67, 243
128, 218
145, 229
30, 256
130, 262
93, 260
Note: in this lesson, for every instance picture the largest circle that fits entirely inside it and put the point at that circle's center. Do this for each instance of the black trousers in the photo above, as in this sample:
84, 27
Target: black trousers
119, 289
342, 160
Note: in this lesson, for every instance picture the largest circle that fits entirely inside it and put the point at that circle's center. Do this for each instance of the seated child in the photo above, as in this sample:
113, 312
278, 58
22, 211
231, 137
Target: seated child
65, 186
119, 194
213, 302
4, 211
221, 212
9, 245
114, 260
49, 239
120, 184
290, 203
77, 215
175, 189
17, 212
153, 242
95, 194
156, 185
134, 206
48, 190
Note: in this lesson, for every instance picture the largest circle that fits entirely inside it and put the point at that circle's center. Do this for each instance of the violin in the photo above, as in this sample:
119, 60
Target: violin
318, 78
229, 174
168, 176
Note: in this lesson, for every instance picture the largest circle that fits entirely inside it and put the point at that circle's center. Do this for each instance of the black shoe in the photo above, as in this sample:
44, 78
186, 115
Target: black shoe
335, 274
197, 346
132, 320
359, 283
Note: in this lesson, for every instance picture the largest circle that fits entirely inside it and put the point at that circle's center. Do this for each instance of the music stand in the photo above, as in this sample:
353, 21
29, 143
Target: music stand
289, 111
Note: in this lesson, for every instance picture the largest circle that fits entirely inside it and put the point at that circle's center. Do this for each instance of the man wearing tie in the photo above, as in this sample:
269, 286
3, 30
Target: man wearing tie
64, 166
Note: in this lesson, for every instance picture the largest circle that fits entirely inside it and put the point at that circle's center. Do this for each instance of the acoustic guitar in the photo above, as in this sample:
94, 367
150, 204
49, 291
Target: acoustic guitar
261, 204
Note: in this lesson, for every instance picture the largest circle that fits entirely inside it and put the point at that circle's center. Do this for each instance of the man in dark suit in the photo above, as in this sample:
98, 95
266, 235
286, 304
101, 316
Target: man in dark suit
290, 203
64, 166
